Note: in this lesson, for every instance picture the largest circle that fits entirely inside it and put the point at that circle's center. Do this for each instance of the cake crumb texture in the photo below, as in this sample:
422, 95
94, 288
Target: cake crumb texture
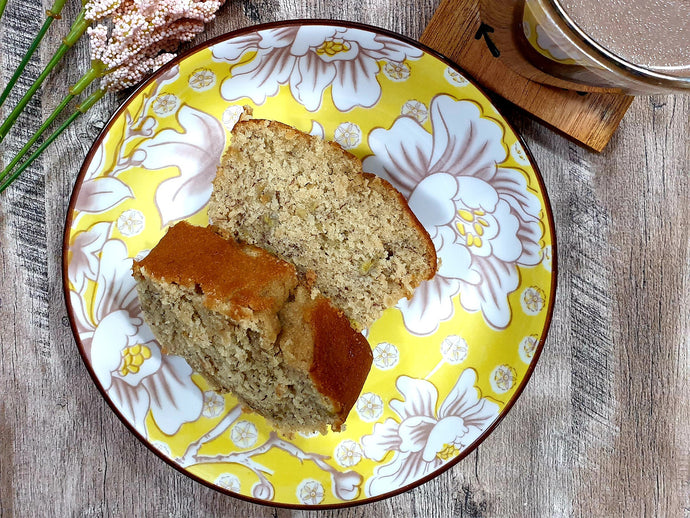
240, 318
308, 201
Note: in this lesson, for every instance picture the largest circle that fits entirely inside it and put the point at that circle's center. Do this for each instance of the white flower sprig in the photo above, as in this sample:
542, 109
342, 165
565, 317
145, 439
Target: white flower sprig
143, 35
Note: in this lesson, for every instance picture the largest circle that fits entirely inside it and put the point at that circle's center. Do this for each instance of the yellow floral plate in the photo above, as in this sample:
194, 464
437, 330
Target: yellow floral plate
448, 364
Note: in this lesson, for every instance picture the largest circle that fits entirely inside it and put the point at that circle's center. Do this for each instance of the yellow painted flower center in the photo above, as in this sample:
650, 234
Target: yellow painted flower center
448, 452
471, 225
332, 47
133, 358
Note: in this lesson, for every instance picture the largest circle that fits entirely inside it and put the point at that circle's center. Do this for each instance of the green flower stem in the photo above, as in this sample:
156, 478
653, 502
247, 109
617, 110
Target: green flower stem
92, 74
52, 14
82, 108
77, 30
97, 70
35, 136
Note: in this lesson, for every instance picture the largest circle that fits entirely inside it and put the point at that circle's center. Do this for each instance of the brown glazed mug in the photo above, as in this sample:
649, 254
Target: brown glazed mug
630, 48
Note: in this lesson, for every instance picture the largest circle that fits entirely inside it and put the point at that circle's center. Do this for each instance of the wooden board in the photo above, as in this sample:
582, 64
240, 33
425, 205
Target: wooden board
588, 118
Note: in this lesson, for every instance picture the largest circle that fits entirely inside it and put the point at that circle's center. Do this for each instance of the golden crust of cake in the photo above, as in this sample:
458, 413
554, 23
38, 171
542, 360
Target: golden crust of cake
239, 317
309, 202
197, 257
338, 349
317, 337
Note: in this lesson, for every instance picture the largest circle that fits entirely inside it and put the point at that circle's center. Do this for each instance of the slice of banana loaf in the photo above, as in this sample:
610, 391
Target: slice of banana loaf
308, 201
240, 318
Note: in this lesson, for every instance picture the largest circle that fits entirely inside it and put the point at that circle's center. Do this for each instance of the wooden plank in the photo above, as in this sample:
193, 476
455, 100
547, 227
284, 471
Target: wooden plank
590, 119
601, 429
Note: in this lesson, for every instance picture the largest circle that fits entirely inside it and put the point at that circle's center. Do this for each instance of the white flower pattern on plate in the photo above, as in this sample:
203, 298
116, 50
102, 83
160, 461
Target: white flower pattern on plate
202, 79
86, 248
517, 151
310, 492
131, 223
228, 481
547, 258
244, 434
102, 194
369, 407
214, 404
231, 115
195, 152
454, 349
386, 356
348, 135
162, 447
502, 379
527, 348
348, 453
166, 104
124, 355
310, 59
423, 439
482, 217
416, 110
397, 72
532, 300
455, 78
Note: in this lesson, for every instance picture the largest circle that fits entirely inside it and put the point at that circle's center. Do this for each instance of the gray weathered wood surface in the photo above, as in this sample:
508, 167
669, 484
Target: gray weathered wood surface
601, 430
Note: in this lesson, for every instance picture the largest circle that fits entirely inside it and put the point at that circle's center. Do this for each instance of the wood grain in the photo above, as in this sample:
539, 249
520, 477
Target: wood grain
601, 430
590, 119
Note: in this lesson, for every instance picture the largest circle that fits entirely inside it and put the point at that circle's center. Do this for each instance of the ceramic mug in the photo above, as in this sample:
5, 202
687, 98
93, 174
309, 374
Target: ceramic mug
622, 46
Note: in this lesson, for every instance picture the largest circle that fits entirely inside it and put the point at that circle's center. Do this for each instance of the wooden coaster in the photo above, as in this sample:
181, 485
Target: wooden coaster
588, 118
